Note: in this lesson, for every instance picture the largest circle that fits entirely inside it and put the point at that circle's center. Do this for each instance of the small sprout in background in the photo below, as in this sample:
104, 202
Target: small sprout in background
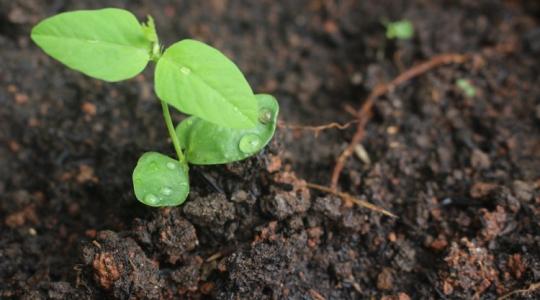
467, 87
228, 123
402, 30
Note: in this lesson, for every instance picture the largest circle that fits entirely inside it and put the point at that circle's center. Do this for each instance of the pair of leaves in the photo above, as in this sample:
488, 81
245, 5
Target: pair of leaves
110, 44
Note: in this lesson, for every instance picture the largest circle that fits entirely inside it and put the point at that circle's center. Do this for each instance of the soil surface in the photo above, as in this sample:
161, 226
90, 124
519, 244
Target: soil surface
461, 172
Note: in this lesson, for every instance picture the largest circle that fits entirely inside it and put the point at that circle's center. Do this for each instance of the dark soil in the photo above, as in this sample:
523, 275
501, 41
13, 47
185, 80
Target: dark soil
462, 173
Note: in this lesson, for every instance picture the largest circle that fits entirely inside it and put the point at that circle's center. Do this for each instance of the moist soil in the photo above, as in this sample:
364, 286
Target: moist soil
461, 172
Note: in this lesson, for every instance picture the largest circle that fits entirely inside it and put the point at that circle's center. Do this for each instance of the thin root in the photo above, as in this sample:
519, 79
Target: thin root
348, 197
317, 129
532, 287
364, 113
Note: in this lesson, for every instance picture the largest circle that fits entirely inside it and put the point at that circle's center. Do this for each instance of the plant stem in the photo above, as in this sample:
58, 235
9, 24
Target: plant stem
172, 133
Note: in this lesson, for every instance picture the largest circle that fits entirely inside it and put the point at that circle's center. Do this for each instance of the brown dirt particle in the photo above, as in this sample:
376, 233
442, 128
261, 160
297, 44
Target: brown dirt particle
21, 217
482, 189
385, 280
86, 174
14, 146
105, 270
439, 244
392, 237
471, 270
480, 160
21, 98
494, 222
89, 109
273, 164
314, 235
207, 288
517, 265
400, 296
267, 233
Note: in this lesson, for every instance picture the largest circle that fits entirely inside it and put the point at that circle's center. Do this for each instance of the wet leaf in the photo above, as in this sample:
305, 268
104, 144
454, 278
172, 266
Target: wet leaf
206, 143
159, 180
107, 44
199, 80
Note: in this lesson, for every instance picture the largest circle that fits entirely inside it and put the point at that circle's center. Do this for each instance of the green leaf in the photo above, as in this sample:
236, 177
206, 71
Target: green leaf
403, 30
466, 86
199, 80
206, 143
149, 30
159, 180
107, 44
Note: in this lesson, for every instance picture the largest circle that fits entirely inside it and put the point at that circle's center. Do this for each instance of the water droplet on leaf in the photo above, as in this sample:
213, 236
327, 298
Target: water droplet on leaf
249, 143
166, 191
150, 199
185, 70
171, 165
265, 116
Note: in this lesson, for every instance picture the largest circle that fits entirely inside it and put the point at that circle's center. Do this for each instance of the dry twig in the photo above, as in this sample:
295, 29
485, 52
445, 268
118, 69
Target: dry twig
348, 197
532, 287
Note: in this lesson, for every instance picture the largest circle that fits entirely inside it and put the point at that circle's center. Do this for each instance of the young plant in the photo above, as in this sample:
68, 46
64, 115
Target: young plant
228, 122
402, 30
466, 87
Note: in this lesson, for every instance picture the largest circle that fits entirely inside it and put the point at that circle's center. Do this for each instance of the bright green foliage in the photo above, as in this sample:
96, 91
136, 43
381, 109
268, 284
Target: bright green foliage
159, 180
466, 86
229, 122
107, 44
206, 143
150, 33
149, 30
199, 80
402, 30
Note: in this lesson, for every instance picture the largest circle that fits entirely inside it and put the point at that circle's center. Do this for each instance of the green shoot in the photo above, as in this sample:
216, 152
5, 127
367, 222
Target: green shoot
228, 123
402, 30
466, 87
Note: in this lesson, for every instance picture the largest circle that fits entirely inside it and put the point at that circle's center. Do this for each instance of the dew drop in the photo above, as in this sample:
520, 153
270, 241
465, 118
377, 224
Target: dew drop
171, 165
265, 116
249, 143
185, 70
166, 191
153, 166
150, 199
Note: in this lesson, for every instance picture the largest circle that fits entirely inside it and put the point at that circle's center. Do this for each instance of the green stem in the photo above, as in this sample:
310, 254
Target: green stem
172, 133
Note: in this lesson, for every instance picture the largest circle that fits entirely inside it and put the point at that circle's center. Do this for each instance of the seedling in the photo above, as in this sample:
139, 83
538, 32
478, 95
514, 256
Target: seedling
402, 30
228, 122
466, 87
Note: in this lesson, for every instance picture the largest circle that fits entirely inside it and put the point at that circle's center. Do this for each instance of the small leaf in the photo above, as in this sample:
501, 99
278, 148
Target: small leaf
466, 86
159, 180
199, 80
402, 30
107, 44
149, 30
206, 143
